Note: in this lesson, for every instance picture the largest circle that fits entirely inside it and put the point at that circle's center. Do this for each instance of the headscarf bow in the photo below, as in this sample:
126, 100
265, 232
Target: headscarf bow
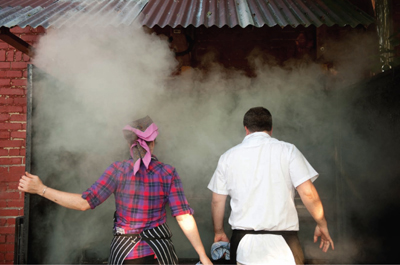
145, 131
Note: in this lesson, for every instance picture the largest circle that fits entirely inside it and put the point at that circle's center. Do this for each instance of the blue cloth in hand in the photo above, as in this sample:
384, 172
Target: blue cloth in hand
218, 249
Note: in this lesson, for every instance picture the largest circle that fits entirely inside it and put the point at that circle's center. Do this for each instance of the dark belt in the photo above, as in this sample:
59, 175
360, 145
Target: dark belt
290, 237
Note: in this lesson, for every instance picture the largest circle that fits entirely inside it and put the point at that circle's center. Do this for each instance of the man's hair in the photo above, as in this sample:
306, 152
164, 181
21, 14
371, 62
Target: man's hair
258, 119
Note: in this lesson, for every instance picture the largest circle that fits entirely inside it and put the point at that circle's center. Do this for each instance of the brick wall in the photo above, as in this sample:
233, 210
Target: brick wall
13, 64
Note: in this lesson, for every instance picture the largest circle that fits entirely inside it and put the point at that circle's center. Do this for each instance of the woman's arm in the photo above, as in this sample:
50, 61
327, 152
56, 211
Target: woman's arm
32, 184
189, 228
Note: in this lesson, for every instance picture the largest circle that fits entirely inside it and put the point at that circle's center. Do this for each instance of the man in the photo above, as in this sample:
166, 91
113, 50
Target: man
261, 175
142, 187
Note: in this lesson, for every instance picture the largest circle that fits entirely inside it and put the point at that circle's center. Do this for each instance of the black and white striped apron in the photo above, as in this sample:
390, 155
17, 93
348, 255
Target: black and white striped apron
158, 238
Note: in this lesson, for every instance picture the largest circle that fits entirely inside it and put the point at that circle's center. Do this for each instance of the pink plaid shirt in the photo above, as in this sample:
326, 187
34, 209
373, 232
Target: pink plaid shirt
140, 198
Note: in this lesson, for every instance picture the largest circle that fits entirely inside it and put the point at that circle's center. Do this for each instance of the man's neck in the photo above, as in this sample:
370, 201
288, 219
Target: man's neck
267, 132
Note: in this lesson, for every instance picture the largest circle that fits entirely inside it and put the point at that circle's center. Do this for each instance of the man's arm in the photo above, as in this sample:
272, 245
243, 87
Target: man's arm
32, 184
217, 211
189, 228
311, 200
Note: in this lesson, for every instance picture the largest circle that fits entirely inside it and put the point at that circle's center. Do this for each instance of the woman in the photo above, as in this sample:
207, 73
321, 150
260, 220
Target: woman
142, 187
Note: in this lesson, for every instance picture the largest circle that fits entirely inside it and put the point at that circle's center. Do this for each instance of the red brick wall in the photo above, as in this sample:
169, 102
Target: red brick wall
13, 64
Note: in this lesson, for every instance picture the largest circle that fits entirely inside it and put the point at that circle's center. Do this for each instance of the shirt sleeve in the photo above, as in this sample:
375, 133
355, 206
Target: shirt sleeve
102, 188
300, 169
218, 181
176, 198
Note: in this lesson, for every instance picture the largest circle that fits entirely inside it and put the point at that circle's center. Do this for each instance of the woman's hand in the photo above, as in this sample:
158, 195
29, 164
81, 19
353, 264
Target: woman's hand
31, 184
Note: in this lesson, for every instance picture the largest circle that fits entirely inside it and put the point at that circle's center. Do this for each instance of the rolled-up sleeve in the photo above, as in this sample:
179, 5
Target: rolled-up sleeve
176, 198
102, 188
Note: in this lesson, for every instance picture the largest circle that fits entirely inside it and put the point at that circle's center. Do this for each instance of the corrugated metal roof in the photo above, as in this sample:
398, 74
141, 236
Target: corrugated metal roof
231, 13
73, 13
256, 13
25, 3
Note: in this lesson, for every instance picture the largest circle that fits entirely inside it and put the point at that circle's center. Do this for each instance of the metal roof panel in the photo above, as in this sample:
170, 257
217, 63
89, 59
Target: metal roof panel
256, 13
174, 13
58, 13
25, 3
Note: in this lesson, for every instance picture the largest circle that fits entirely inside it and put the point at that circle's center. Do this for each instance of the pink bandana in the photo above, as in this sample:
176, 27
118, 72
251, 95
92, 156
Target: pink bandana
140, 151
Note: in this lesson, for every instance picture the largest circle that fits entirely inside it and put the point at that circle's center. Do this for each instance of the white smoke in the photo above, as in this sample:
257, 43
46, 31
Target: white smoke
98, 80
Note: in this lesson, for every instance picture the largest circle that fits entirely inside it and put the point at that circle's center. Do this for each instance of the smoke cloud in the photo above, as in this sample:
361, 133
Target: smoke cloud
91, 82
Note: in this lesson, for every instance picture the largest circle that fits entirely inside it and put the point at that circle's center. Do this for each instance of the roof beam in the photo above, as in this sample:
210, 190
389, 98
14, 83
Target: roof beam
16, 42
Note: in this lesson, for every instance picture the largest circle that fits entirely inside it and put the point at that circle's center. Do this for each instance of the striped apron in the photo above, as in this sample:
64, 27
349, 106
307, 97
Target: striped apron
158, 238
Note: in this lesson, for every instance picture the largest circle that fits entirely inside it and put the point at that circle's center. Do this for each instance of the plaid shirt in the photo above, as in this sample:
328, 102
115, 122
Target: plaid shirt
140, 199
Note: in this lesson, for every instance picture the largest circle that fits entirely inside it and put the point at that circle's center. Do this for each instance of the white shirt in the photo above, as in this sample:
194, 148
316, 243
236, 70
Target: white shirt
260, 175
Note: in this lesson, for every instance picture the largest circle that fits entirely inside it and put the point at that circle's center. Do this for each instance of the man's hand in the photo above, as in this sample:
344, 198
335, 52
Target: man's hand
217, 211
326, 240
31, 184
311, 200
221, 237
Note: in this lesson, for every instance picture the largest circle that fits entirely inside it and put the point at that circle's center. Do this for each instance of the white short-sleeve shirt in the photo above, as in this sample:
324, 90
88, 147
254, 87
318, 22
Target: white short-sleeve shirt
260, 175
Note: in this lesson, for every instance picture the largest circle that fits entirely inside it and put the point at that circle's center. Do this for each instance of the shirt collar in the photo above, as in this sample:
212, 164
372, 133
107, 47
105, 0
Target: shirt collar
255, 135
